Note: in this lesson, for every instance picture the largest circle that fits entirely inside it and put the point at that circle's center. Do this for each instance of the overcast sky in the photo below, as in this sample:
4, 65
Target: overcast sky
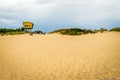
48, 15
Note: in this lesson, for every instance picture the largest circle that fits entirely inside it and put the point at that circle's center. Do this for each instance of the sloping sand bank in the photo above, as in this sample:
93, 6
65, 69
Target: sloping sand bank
57, 57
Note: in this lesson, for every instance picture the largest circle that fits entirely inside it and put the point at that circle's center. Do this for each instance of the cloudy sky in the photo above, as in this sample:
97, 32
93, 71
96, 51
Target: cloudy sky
49, 15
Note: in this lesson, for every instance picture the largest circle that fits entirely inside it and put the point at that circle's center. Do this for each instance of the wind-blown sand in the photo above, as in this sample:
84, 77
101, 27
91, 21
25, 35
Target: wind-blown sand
57, 57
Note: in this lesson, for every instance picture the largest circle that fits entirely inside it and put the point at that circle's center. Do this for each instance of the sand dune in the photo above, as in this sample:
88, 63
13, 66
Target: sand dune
57, 57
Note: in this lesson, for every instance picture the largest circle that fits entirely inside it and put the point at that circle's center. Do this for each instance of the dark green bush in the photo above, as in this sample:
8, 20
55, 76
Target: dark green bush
72, 31
103, 30
38, 32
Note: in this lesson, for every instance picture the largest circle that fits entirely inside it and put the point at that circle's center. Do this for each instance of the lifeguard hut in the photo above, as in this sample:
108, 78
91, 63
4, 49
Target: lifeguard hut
27, 25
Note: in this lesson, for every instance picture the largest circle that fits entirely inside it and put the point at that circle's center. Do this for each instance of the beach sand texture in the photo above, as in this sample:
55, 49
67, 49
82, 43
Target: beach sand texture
60, 57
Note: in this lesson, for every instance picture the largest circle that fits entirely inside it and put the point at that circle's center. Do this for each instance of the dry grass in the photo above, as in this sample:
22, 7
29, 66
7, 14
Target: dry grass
57, 57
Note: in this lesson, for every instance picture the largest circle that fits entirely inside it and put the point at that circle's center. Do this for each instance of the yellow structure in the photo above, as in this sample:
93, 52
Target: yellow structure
27, 25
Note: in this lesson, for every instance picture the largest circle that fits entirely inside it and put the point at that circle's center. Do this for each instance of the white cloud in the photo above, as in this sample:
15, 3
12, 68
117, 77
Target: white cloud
7, 21
78, 12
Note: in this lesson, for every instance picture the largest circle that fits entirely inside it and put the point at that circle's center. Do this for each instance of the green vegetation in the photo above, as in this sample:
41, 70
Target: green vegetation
100, 30
117, 29
103, 30
77, 31
69, 31
72, 31
4, 31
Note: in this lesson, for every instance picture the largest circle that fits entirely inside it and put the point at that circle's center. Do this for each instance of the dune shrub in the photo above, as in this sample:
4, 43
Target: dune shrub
72, 31
4, 31
117, 29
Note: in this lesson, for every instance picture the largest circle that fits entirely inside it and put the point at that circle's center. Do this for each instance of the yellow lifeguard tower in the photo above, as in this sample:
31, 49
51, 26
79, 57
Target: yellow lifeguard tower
27, 25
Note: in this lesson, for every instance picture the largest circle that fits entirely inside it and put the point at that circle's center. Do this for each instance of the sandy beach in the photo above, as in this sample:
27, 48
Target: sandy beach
60, 57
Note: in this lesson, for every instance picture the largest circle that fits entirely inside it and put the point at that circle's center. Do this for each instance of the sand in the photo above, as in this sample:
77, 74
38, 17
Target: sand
60, 57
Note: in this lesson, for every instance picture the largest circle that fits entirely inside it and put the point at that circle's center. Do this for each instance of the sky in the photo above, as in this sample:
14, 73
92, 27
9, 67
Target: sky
49, 15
